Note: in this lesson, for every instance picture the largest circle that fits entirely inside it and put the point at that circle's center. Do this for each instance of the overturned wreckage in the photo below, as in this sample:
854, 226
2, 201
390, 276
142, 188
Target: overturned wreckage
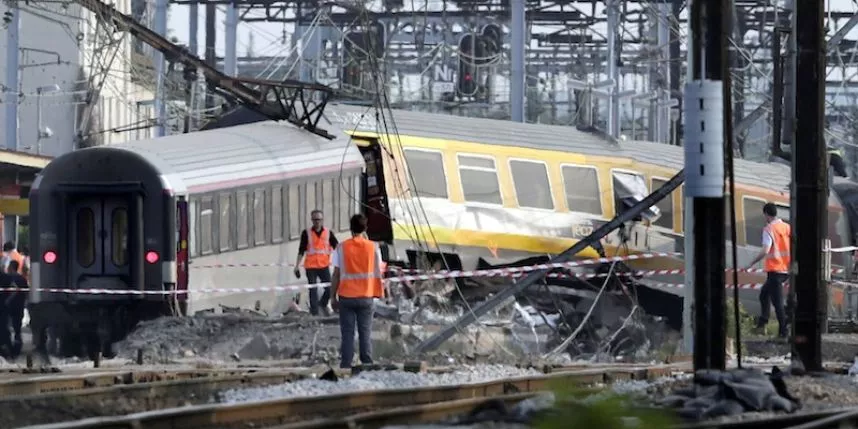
607, 317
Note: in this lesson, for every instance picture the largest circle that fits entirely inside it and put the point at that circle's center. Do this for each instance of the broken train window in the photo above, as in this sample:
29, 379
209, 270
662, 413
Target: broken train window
629, 189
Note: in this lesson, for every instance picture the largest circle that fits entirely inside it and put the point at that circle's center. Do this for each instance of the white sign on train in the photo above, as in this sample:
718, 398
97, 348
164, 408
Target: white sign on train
354, 121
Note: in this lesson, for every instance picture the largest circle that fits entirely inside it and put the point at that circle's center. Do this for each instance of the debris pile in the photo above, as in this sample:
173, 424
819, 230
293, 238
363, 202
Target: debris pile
607, 318
725, 393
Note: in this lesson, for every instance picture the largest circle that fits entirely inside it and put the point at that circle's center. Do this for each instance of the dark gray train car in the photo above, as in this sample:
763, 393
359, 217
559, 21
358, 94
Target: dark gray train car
134, 217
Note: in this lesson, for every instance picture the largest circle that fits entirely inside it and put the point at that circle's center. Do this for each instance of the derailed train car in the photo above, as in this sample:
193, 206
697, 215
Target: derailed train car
140, 216
134, 217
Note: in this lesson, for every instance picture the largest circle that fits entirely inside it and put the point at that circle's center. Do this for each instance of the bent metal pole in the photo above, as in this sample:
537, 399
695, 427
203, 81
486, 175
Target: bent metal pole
704, 167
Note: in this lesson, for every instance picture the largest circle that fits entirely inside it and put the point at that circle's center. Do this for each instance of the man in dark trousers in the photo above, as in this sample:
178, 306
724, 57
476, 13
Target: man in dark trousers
775, 253
317, 243
6, 348
16, 302
357, 281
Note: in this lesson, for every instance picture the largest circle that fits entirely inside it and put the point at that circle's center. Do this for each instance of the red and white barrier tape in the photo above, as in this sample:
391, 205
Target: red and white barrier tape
444, 275
497, 272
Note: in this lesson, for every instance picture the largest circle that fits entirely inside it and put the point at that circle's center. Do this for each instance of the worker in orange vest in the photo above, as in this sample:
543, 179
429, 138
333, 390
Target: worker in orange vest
776, 253
318, 243
10, 253
357, 282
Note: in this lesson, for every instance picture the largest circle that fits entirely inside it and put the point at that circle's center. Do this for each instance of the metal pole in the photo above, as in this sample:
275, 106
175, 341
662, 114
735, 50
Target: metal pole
663, 115
10, 223
777, 93
810, 186
38, 121
230, 65
12, 78
211, 34
160, 69
193, 46
194, 28
789, 80
517, 49
704, 165
613, 70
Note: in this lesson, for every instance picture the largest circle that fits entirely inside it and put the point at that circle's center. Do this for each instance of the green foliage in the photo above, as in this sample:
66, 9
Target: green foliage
747, 322
587, 408
23, 236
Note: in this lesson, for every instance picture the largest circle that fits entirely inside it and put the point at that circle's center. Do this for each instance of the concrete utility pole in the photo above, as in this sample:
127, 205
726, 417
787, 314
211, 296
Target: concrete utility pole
517, 41
12, 51
160, 70
10, 223
704, 165
612, 9
810, 187
789, 78
230, 61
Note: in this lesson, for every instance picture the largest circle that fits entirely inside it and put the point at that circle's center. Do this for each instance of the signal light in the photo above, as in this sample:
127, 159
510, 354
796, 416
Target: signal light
49, 257
468, 77
151, 256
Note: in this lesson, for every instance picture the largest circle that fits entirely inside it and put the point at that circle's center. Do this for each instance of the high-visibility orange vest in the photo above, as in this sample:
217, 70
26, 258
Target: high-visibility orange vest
318, 249
15, 256
360, 269
778, 258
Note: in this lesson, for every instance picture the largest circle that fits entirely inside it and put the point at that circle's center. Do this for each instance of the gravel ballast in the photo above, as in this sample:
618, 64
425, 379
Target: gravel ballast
376, 380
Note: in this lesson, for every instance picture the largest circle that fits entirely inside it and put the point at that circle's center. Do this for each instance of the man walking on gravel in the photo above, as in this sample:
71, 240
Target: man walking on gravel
776, 252
356, 283
318, 243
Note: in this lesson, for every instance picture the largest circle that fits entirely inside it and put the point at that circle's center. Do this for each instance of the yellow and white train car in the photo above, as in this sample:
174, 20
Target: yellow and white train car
502, 191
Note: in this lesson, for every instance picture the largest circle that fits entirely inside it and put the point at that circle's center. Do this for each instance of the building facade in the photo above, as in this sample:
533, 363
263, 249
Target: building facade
80, 75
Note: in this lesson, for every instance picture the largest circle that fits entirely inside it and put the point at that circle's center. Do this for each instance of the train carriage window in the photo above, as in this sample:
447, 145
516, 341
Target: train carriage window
206, 213
629, 189
346, 186
294, 212
85, 237
311, 204
328, 203
119, 237
532, 188
582, 189
276, 214
755, 221
193, 247
665, 206
225, 227
479, 180
242, 219
259, 217
426, 170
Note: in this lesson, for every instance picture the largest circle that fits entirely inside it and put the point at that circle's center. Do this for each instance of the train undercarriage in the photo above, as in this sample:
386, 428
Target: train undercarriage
88, 329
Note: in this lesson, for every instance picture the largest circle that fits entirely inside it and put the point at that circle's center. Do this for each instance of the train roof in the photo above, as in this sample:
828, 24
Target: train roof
206, 160
773, 176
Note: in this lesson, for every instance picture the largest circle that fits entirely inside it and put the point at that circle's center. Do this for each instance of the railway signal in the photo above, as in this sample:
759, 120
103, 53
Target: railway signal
465, 80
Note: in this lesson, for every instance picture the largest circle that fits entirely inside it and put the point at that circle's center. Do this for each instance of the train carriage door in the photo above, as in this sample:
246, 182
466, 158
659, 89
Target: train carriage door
374, 192
182, 253
100, 234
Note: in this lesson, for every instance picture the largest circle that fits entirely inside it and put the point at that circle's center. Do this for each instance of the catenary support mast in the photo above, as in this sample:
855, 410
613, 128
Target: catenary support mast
810, 186
704, 166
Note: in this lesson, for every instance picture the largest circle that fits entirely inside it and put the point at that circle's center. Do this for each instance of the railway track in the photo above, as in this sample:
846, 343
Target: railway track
367, 408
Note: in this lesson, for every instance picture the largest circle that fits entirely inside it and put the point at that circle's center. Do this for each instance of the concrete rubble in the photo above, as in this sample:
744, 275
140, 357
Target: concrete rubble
608, 327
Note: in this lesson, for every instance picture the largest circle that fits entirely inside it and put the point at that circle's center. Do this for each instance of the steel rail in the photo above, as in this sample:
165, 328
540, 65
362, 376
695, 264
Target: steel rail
292, 410
92, 379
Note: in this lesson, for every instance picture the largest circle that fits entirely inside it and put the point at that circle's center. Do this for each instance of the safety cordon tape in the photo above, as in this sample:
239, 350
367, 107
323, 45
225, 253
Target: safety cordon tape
441, 275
